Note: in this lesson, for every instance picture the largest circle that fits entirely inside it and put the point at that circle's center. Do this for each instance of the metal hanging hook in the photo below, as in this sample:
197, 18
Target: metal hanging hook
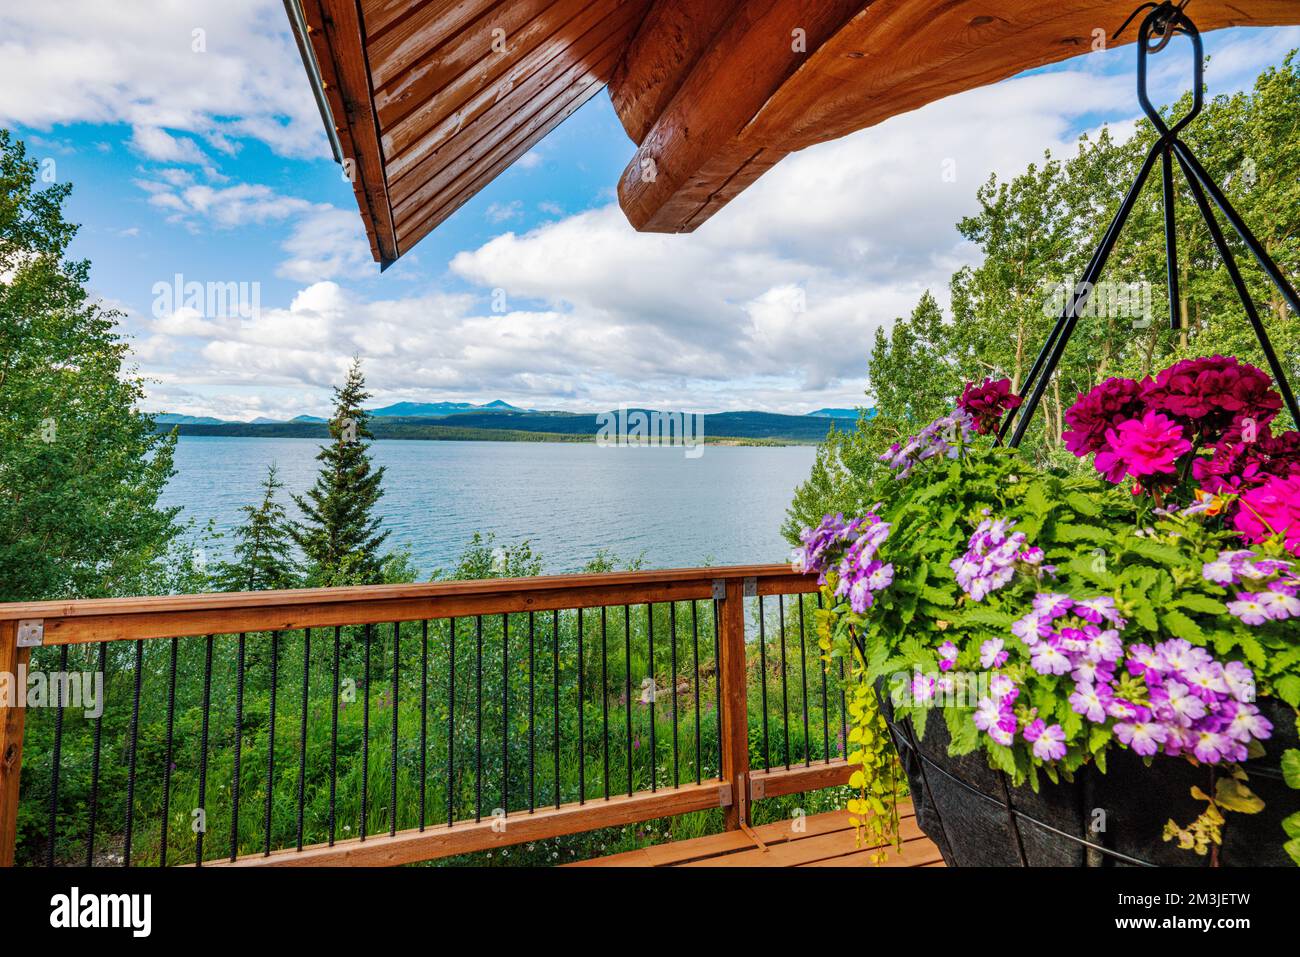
1165, 21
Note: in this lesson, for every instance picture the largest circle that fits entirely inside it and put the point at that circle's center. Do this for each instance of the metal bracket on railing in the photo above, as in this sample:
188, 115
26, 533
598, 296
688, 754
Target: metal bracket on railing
751, 587
31, 633
719, 589
725, 798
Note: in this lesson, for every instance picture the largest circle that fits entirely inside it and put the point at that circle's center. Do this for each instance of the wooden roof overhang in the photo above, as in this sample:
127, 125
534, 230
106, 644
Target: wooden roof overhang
427, 101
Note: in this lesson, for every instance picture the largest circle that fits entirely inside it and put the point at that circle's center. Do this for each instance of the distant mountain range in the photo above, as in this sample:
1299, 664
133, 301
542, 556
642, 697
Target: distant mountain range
500, 421
842, 413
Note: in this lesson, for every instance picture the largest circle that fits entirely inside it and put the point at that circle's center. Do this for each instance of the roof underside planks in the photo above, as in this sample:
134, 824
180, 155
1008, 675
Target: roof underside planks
432, 99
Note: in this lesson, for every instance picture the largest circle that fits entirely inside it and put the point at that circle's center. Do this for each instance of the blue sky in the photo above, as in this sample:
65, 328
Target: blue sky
201, 153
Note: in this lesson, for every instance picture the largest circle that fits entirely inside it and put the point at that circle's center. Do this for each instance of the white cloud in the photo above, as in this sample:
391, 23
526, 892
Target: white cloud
158, 144
772, 304
137, 63
500, 212
326, 243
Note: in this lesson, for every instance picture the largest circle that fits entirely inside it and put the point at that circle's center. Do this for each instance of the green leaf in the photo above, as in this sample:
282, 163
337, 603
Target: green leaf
1180, 626
1291, 824
1288, 689
1083, 504
984, 615
1084, 533
1231, 794
1195, 601
1162, 554
1145, 616
962, 731
1292, 847
1036, 500
1291, 769
1001, 757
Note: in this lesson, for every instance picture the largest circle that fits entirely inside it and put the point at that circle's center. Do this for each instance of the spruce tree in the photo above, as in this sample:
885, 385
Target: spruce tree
339, 534
263, 547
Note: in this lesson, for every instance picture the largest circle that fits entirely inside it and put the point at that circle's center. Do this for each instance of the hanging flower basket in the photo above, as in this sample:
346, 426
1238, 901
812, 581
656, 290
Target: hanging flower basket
1067, 665
1062, 667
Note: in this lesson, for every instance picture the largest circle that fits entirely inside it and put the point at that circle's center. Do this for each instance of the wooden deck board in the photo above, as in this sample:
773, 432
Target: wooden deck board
826, 840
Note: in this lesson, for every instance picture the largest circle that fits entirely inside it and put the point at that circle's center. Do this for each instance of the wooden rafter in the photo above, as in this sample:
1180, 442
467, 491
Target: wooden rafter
432, 99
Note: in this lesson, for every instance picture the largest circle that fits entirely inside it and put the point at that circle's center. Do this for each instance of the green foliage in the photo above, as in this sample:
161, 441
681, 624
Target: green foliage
340, 534
1037, 231
263, 556
80, 470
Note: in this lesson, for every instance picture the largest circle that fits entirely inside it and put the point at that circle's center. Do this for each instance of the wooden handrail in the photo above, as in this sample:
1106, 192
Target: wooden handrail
170, 616
179, 616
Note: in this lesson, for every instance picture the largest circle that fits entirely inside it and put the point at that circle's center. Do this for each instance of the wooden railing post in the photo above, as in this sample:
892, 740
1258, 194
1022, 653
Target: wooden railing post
12, 714
733, 704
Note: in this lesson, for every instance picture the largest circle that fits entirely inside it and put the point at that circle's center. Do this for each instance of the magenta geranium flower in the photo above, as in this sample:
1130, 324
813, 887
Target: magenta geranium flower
1213, 394
1112, 402
1142, 447
1271, 509
988, 403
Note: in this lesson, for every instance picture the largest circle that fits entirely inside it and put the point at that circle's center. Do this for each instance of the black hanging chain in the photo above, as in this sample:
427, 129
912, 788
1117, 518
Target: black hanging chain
1164, 21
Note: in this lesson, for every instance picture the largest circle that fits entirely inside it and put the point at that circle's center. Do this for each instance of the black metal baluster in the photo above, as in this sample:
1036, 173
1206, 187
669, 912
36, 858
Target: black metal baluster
604, 691
56, 758
478, 719
555, 690
672, 681
695, 655
717, 682
392, 754
451, 723
131, 762
95, 757
334, 742
627, 689
654, 693
270, 744
505, 715
532, 717
167, 751
424, 715
785, 691
762, 674
302, 732
803, 685
582, 717
365, 737
239, 748
203, 754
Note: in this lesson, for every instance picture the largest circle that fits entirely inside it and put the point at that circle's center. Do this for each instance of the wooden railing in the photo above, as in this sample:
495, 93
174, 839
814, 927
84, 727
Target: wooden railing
220, 670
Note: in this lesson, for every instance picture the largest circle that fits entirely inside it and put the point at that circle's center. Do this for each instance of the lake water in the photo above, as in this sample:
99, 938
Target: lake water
569, 500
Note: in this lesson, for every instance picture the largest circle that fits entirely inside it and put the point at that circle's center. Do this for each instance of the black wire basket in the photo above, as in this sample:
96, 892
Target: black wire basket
1118, 817
1115, 818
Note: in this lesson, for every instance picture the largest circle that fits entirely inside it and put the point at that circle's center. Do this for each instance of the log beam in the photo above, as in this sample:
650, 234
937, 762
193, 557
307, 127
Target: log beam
758, 90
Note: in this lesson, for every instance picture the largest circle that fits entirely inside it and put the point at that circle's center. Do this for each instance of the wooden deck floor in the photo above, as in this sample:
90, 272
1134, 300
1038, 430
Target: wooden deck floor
827, 840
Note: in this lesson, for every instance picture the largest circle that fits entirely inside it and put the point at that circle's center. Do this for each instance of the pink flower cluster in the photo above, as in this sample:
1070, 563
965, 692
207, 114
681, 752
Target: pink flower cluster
942, 438
849, 548
986, 404
1272, 508
1174, 698
1142, 429
1269, 590
993, 556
